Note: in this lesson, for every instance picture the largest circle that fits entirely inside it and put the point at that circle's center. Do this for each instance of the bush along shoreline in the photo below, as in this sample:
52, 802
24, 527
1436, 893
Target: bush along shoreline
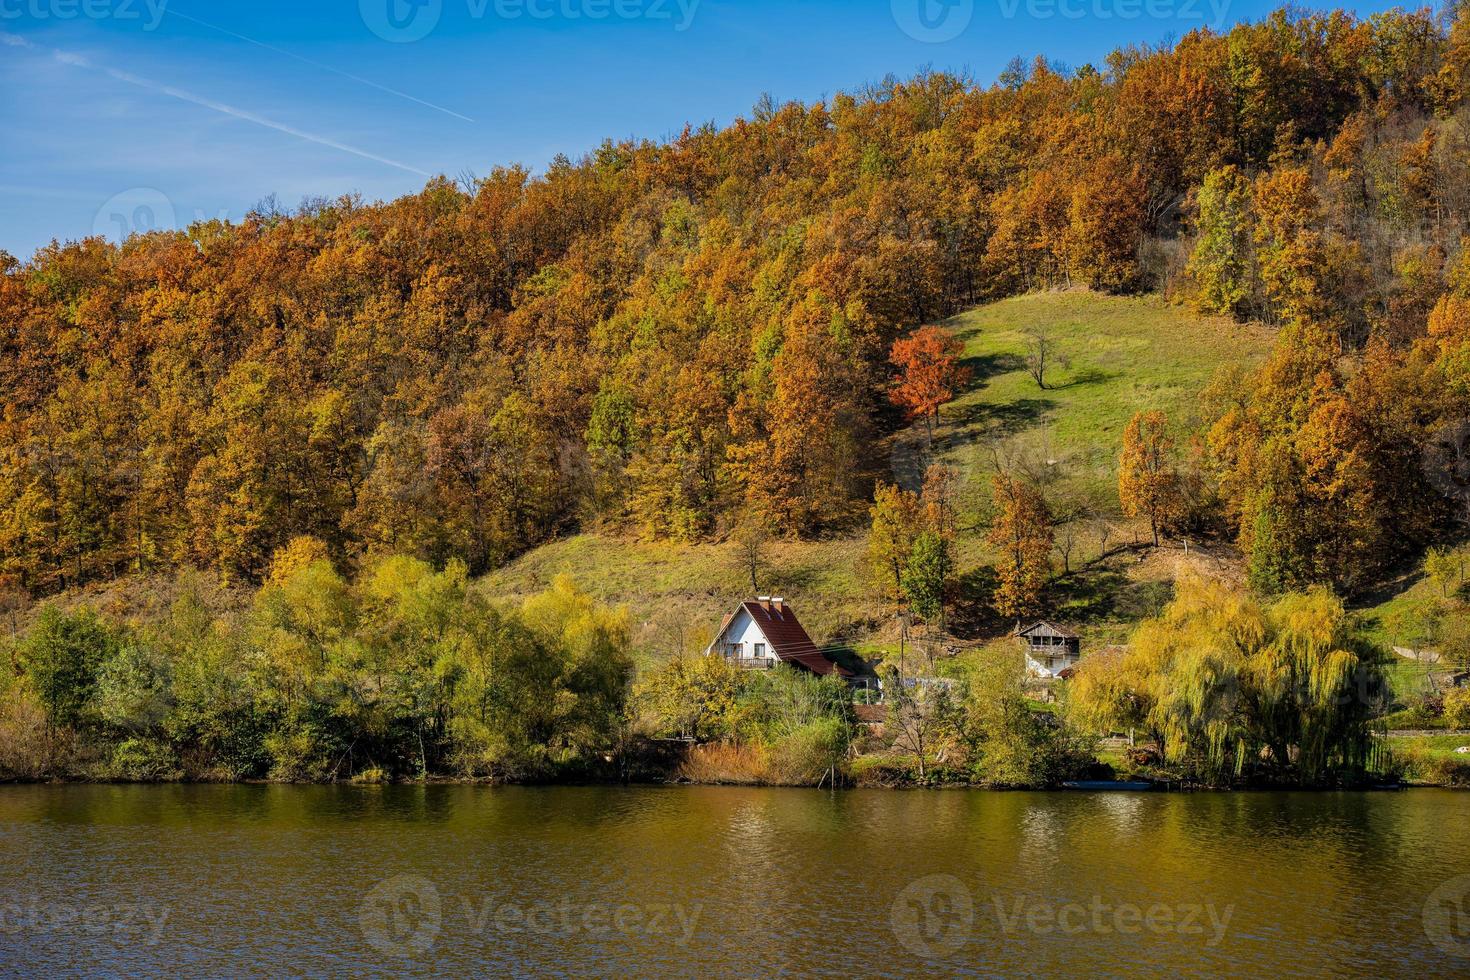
408, 673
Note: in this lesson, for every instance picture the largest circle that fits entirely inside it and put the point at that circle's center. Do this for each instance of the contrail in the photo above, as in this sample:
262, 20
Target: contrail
316, 64
79, 61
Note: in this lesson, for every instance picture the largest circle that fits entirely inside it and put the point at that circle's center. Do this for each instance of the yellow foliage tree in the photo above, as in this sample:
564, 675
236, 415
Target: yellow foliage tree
1148, 482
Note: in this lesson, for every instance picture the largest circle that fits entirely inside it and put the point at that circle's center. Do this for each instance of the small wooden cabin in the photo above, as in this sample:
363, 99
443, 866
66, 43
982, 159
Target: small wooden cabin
1050, 649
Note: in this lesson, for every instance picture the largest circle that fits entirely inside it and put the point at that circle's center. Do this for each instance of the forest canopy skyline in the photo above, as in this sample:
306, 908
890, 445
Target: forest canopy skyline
679, 339
91, 153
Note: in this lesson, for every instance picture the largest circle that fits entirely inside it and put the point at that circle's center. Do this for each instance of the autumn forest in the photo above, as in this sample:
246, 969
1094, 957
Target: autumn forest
713, 339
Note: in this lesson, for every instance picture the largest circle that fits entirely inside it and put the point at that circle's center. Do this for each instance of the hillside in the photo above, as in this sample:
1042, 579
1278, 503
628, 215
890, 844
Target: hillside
681, 336
1124, 355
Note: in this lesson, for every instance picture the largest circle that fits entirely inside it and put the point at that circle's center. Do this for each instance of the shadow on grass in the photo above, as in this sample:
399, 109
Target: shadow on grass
1087, 376
1107, 594
971, 615
983, 367
1389, 589
1006, 419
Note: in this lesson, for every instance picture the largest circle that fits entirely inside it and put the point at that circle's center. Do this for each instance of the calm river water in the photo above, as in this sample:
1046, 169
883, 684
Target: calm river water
275, 881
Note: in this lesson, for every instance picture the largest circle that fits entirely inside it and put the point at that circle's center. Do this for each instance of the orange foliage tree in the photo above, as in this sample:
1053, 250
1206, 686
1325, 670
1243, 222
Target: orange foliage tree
929, 367
1022, 531
1148, 480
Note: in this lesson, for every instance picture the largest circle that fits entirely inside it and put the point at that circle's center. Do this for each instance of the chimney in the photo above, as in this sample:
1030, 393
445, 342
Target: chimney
779, 603
764, 600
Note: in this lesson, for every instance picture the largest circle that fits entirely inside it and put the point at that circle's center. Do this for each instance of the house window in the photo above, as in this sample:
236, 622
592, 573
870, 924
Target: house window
760, 651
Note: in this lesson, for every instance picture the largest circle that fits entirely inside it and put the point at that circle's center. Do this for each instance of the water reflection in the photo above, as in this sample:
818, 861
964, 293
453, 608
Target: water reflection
276, 879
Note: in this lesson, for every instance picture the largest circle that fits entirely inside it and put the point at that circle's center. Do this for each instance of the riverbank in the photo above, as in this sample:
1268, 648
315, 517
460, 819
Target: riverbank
1426, 766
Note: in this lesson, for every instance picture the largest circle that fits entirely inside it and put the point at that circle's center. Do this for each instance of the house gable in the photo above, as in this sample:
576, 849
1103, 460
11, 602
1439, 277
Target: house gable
773, 623
741, 637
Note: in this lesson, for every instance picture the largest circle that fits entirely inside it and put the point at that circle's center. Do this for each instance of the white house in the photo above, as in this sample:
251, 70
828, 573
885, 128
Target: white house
765, 632
1050, 649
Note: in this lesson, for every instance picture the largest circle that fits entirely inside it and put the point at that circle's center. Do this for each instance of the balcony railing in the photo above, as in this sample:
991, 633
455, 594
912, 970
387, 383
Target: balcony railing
754, 663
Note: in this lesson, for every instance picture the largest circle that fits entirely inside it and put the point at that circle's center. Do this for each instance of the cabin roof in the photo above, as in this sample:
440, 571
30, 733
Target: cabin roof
1048, 625
787, 637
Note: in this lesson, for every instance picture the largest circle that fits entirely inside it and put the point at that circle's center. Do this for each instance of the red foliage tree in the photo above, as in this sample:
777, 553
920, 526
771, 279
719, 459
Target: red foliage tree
929, 372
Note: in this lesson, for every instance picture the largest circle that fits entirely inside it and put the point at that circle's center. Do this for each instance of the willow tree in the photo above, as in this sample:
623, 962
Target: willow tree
1314, 686
1218, 680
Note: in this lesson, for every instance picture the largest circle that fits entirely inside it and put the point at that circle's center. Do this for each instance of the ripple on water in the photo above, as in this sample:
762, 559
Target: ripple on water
270, 880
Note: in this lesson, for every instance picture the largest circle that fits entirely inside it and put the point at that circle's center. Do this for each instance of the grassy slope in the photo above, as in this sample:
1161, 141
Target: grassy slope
678, 593
1126, 354
1395, 619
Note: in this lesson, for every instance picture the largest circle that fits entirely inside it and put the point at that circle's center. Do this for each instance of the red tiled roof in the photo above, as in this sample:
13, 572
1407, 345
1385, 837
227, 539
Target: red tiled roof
788, 639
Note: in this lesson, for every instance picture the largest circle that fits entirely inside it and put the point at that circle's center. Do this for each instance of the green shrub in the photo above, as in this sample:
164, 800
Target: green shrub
62, 655
296, 756
142, 760
1444, 770
889, 770
810, 754
1457, 708
884, 770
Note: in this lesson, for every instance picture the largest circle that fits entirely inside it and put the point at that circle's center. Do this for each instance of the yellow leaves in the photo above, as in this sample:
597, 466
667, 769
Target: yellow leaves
1449, 322
1215, 671
570, 616
1311, 633
1022, 531
1328, 445
895, 522
301, 551
1148, 482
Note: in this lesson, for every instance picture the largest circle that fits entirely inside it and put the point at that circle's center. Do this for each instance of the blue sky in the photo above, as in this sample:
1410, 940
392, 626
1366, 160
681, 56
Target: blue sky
119, 114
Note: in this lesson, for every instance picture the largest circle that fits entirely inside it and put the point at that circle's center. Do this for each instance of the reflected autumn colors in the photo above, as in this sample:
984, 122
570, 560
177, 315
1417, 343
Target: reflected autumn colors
716, 881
